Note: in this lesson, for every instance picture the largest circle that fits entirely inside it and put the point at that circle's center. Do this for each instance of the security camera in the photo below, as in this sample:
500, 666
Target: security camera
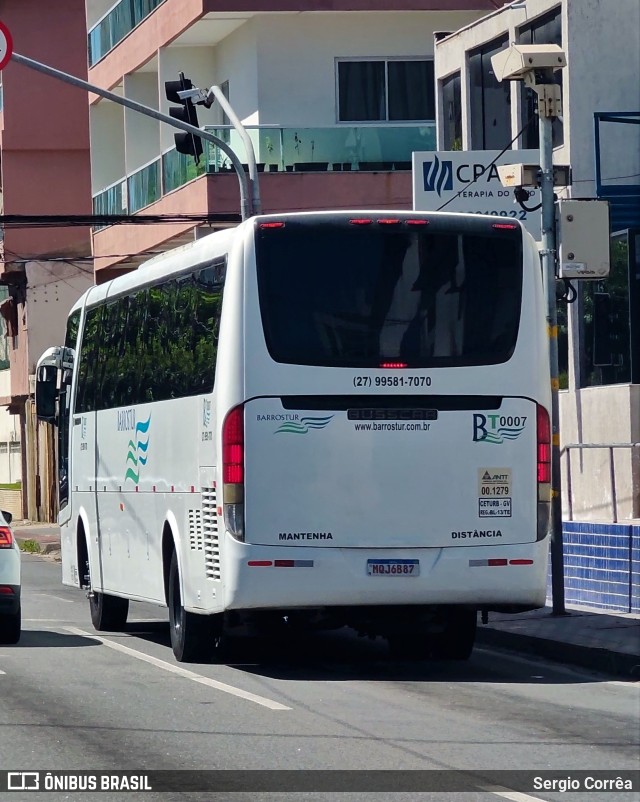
528, 175
514, 63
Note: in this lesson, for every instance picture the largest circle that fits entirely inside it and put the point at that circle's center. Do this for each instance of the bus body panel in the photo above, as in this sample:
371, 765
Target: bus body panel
410, 476
322, 577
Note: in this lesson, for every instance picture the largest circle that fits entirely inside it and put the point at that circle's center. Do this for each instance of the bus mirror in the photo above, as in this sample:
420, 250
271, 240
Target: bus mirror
46, 392
602, 329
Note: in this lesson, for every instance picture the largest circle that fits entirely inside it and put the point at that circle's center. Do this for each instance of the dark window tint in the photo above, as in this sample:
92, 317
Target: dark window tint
411, 90
158, 343
342, 295
543, 30
73, 324
385, 90
88, 365
489, 102
452, 112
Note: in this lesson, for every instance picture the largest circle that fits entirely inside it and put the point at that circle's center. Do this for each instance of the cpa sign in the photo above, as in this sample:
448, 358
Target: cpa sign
467, 181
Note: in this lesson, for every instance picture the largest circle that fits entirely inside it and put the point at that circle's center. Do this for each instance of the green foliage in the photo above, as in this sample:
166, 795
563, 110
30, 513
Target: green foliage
30, 546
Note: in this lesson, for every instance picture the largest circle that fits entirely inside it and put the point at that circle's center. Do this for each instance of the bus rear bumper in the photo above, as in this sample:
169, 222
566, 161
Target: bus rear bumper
291, 577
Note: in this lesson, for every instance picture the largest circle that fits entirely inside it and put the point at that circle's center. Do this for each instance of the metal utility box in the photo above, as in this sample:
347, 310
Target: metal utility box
583, 239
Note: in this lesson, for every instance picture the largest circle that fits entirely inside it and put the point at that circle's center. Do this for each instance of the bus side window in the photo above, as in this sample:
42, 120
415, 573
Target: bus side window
129, 389
110, 354
88, 364
208, 306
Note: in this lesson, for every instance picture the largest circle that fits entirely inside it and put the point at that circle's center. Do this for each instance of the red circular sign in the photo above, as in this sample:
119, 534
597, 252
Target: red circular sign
6, 46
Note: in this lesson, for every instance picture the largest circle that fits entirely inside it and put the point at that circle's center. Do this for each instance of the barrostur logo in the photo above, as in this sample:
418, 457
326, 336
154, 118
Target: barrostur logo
438, 176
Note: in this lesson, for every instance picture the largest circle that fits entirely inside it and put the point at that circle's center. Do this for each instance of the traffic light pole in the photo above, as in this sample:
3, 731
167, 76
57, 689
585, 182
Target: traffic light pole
547, 107
248, 144
247, 204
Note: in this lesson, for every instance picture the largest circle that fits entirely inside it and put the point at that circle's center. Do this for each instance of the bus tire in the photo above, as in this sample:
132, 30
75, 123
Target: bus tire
108, 613
457, 639
192, 635
10, 627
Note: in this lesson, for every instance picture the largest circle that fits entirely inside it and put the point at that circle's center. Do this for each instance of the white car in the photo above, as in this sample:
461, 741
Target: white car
10, 616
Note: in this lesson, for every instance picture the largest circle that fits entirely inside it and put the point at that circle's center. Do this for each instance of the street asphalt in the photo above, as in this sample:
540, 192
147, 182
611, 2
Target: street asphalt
598, 640
71, 698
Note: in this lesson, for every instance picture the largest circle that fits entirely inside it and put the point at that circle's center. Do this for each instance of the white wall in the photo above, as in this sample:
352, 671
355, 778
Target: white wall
96, 9
237, 62
52, 289
142, 134
297, 52
10, 460
603, 55
107, 144
600, 415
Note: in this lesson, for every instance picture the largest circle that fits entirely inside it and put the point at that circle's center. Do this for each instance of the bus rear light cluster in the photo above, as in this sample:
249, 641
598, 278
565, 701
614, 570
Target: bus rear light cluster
233, 472
543, 469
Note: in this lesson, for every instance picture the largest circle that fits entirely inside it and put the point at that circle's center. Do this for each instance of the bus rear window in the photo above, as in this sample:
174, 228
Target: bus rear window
337, 295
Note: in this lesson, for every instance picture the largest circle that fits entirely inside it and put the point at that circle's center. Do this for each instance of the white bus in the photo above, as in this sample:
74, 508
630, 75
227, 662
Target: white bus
311, 420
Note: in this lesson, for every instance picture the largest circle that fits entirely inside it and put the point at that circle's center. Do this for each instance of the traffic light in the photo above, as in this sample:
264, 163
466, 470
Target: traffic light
185, 143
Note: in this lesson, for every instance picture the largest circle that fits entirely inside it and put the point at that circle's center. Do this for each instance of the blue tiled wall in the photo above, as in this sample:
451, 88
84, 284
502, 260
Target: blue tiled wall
602, 565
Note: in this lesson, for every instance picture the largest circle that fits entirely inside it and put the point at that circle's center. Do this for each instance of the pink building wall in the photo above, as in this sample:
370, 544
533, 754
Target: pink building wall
45, 127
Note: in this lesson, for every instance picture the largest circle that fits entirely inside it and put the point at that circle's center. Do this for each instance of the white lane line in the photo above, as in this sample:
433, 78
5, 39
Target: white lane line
182, 672
2, 672
57, 598
514, 796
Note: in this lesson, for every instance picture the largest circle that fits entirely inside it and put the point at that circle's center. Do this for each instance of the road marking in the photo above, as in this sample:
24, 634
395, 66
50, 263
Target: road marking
2, 672
514, 796
58, 598
182, 672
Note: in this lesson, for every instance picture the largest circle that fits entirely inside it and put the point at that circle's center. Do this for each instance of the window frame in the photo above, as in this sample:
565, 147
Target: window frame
385, 60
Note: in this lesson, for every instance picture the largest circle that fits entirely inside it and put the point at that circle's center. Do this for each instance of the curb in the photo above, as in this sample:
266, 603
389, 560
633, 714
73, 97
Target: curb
44, 548
593, 658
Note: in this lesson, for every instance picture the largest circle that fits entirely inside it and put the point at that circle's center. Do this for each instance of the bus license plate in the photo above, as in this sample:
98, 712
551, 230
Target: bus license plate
393, 567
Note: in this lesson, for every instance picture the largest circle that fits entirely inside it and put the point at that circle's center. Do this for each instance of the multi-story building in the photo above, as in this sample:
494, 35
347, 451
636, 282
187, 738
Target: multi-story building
336, 97
598, 135
44, 152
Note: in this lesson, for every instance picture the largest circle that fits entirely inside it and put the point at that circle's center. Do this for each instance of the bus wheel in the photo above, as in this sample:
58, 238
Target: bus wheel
456, 641
10, 626
108, 613
193, 636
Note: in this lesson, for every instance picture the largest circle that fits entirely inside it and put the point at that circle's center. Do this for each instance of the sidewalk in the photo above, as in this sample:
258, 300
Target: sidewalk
599, 640
593, 639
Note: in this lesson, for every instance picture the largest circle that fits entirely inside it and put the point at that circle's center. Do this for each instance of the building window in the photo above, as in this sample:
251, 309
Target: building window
546, 30
452, 112
389, 90
611, 311
489, 101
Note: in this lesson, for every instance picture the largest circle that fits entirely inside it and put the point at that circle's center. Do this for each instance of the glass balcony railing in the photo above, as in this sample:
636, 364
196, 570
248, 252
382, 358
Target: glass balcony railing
354, 149
144, 187
178, 169
116, 24
359, 148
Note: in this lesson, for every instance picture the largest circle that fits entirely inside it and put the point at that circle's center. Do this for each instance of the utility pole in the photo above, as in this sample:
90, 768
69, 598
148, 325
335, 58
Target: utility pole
536, 65
249, 203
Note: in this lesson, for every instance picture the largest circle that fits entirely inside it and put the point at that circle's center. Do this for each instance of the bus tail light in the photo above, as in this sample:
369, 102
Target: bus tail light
6, 537
543, 469
233, 472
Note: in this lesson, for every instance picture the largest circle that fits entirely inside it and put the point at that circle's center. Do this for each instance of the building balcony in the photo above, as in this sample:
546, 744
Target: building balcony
278, 150
116, 24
